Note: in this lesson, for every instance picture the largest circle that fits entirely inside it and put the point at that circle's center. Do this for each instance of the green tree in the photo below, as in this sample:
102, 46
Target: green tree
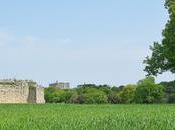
169, 89
56, 95
114, 98
49, 94
149, 92
127, 94
95, 96
163, 54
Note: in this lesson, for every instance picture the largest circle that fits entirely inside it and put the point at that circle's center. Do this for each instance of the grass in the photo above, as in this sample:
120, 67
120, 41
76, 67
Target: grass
87, 117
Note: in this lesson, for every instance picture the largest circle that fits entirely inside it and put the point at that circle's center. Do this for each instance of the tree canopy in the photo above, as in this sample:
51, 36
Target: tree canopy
163, 53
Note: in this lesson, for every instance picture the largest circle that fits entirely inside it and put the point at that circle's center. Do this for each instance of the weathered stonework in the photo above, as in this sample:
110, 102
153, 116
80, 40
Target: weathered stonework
20, 91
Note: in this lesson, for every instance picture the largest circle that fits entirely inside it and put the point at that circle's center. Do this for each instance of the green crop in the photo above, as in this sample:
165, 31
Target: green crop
87, 117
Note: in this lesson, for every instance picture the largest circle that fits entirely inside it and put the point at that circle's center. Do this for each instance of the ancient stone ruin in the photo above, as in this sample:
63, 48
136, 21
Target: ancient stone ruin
21, 91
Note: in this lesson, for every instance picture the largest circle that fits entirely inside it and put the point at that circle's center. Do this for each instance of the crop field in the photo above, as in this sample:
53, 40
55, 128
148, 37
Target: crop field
87, 117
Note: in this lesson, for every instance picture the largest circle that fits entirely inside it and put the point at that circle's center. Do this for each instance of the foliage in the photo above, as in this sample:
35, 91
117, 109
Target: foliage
171, 98
56, 95
127, 94
169, 88
80, 95
114, 98
50, 93
145, 91
83, 88
149, 92
95, 96
163, 54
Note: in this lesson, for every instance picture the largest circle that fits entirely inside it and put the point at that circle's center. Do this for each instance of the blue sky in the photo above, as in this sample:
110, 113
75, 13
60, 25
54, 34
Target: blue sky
94, 41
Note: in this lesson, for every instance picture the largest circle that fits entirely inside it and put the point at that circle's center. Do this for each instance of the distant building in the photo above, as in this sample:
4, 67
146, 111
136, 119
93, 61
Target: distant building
61, 85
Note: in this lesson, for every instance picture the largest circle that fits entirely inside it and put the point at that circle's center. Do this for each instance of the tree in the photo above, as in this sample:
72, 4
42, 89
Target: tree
127, 94
49, 94
163, 54
169, 89
115, 89
95, 96
114, 98
56, 95
149, 92
171, 98
105, 88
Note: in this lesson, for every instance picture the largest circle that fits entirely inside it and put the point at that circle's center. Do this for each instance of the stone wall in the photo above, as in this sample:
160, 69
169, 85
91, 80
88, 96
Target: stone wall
40, 95
20, 91
32, 95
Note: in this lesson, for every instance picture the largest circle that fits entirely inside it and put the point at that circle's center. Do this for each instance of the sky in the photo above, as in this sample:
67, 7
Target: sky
76, 41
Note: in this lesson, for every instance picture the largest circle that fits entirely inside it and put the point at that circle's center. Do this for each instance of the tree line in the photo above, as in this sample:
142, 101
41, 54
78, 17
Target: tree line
145, 91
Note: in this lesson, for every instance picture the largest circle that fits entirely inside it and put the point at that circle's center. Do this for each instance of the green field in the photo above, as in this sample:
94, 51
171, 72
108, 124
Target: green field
87, 117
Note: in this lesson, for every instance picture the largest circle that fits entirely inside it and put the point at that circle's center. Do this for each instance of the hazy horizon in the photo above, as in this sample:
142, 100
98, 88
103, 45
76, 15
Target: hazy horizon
101, 42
